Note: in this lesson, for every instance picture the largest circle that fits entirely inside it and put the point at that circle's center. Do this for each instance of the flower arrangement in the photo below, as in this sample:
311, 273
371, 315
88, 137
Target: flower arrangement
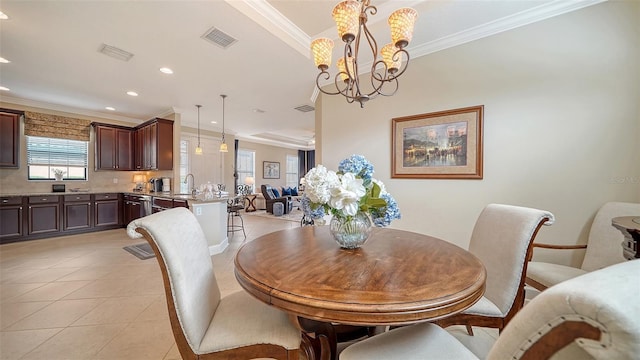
58, 173
349, 191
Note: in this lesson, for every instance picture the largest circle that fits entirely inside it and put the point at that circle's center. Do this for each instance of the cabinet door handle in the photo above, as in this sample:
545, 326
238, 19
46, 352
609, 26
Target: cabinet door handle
4, 201
44, 199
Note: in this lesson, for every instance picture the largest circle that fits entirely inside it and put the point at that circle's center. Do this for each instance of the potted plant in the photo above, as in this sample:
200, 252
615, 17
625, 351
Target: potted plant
58, 174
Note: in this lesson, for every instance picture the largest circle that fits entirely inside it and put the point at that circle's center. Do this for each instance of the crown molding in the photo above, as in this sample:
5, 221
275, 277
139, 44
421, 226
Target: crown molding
526, 17
68, 109
273, 21
510, 22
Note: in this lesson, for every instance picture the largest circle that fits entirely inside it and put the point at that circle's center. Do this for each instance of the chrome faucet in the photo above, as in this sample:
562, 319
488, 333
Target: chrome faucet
193, 183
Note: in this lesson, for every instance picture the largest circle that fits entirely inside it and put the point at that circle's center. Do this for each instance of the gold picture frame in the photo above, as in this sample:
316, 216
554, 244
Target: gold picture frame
440, 145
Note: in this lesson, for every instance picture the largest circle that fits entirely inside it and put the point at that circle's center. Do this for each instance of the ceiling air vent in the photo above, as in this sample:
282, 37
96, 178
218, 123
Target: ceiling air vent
305, 108
219, 38
115, 52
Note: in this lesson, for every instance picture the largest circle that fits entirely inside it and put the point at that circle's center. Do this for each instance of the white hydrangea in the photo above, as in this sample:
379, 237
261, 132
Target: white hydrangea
319, 182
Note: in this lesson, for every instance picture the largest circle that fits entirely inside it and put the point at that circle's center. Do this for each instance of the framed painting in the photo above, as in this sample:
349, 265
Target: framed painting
439, 145
270, 170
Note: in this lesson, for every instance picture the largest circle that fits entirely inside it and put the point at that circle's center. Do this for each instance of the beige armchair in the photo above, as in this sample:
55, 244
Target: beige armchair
602, 249
206, 325
501, 239
594, 316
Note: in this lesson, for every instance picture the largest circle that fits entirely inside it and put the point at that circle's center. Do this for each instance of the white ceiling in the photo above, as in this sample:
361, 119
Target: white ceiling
53, 49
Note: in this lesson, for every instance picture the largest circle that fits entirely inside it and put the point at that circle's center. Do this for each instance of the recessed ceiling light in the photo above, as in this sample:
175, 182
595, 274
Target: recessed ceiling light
4, 61
110, 108
214, 122
166, 70
258, 111
4, 88
132, 93
3, 16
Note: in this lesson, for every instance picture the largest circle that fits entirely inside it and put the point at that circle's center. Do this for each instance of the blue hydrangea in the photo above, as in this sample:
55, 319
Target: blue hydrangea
317, 213
383, 217
358, 165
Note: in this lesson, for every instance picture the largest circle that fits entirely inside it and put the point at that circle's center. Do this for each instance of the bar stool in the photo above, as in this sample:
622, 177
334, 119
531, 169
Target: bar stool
233, 210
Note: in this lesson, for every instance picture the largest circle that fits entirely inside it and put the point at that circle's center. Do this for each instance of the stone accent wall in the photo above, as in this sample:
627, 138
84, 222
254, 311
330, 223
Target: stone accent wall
54, 126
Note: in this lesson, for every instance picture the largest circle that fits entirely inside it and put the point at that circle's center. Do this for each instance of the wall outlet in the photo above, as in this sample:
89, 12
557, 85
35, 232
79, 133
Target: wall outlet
115, 180
198, 211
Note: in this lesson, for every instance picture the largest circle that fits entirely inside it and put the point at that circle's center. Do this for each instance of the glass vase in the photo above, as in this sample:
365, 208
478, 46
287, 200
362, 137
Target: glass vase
351, 232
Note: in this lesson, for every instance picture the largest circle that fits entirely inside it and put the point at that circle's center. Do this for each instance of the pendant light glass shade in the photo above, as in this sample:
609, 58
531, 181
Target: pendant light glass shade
223, 146
198, 148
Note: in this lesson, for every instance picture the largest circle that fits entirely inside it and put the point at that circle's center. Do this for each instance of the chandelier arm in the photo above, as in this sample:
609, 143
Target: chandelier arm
326, 77
391, 80
404, 65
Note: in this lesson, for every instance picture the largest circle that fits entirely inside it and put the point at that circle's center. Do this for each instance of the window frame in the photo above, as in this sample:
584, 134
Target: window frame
49, 159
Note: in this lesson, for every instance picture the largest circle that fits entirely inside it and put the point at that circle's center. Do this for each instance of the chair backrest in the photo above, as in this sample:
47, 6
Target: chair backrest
603, 247
183, 254
596, 313
501, 239
267, 192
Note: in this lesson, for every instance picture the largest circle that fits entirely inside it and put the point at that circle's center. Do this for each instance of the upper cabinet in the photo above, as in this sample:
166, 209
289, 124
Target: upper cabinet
114, 147
154, 145
10, 138
148, 146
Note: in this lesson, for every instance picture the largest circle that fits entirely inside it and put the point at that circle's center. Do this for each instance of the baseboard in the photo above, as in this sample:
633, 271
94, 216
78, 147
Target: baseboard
217, 249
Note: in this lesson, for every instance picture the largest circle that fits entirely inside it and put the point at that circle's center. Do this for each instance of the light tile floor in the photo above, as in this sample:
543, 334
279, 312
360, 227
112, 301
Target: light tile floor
84, 297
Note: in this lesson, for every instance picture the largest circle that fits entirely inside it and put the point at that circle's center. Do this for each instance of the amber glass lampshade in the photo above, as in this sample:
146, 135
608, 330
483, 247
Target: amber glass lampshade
321, 49
347, 17
401, 23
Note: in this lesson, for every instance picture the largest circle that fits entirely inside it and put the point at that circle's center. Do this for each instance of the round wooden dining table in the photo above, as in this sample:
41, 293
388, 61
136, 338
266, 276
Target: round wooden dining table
397, 277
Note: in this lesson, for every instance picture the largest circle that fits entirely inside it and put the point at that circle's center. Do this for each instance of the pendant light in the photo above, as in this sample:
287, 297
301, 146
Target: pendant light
223, 146
198, 148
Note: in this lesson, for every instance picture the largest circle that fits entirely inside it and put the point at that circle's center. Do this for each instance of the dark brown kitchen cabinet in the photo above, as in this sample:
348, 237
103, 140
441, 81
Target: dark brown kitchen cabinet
154, 145
10, 138
134, 207
44, 214
114, 147
138, 146
77, 212
11, 218
107, 210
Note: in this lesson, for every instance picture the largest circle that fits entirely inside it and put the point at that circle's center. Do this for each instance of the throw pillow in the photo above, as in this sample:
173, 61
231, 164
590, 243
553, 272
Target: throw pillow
286, 191
275, 193
294, 191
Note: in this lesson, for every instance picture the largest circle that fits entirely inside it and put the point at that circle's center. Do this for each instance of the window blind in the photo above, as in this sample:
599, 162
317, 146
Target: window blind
56, 152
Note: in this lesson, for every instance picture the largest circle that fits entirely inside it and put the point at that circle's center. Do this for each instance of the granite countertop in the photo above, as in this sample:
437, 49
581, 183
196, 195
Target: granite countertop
190, 198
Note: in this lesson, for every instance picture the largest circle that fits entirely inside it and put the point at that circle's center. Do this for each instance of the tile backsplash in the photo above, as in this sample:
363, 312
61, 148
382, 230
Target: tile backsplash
14, 181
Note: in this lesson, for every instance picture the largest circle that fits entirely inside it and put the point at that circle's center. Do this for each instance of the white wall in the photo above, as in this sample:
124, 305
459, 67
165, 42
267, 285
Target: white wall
561, 124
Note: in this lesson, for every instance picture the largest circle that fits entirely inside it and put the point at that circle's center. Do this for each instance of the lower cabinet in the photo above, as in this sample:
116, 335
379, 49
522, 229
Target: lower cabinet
107, 210
11, 218
77, 212
44, 215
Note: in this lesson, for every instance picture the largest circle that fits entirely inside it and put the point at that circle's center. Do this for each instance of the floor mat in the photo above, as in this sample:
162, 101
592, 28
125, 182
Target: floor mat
141, 251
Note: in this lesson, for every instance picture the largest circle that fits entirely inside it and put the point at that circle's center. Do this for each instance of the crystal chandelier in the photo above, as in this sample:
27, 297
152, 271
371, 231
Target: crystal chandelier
351, 20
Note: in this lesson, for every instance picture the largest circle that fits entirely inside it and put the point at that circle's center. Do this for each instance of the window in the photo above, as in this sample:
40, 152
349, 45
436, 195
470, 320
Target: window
292, 171
246, 165
44, 155
184, 166
205, 168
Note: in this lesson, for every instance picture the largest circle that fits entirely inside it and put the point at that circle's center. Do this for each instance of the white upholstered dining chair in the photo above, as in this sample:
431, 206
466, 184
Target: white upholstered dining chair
204, 324
593, 316
501, 239
602, 249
